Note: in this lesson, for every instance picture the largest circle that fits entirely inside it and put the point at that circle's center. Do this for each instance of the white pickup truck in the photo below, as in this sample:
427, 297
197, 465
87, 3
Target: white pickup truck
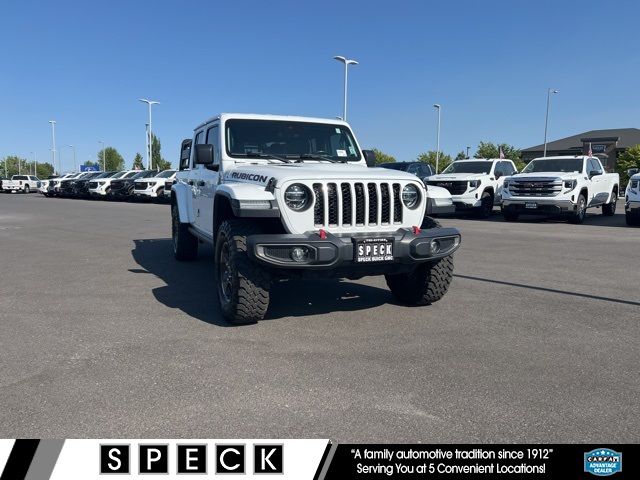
563, 185
283, 197
21, 183
153, 187
475, 184
632, 199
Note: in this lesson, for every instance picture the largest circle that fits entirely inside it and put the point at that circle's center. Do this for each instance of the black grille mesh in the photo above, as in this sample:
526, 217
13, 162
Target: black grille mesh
386, 203
332, 194
318, 206
397, 206
359, 188
346, 203
373, 204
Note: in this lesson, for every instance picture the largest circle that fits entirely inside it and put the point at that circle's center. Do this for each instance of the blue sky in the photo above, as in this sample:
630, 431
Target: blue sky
488, 63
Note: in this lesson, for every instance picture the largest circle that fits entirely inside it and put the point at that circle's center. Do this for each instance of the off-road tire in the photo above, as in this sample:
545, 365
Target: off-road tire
580, 214
609, 209
510, 216
486, 208
242, 285
27, 189
632, 220
428, 283
185, 244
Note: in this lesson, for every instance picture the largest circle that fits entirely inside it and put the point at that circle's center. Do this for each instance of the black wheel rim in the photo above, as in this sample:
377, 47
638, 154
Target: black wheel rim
225, 275
614, 202
581, 207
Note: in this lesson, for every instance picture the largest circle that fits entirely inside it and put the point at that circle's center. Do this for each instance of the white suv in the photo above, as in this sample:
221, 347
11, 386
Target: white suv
293, 197
475, 184
153, 187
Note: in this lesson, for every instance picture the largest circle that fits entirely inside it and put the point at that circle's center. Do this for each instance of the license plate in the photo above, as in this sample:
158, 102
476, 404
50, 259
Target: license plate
531, 205
373, 250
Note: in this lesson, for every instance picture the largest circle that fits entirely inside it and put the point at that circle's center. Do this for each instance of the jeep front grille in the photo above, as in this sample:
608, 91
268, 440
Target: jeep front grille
372, 203
535, 188
455, 187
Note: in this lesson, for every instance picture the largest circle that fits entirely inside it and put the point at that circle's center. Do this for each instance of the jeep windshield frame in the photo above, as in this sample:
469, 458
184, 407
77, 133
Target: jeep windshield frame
290, 139
564, 165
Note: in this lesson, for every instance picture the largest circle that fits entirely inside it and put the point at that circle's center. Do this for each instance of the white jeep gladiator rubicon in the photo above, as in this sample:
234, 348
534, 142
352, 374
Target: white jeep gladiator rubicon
292, 197
563, 185
475, 184
632, 199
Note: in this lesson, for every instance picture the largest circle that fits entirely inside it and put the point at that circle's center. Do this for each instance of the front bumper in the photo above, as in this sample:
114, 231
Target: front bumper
437, 206
146, 193
632, 208
466, 202
543, 206
338, 252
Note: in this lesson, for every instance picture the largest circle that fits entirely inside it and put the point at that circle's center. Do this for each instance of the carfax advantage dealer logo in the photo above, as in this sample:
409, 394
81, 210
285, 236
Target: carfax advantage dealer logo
602, 462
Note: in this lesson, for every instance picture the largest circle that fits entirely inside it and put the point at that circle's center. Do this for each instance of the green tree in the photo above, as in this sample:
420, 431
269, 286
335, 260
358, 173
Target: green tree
12, 165
138, 164
492, 150
430, 158
157, 161
461, 155
382, 157
114, 160
44, 170
630, 158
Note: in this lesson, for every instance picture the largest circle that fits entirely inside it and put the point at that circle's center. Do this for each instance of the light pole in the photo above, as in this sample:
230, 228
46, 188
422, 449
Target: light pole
468, 151
148, 139
546, 118
150, 134
439, 108
75, 165
35, 163
346, 62
104, 156
53, 148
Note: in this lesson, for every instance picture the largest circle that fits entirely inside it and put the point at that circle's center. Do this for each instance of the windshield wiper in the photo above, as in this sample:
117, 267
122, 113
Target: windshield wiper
318, 156
263, 155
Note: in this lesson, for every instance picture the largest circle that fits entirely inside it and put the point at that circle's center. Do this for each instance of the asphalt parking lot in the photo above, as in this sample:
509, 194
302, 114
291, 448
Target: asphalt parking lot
103, 334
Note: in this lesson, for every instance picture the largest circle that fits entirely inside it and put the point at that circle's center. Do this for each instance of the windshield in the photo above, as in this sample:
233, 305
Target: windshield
469, 167
554, 165
166, 174
396, 166
104, 175
142, 174
130, 175
290, 139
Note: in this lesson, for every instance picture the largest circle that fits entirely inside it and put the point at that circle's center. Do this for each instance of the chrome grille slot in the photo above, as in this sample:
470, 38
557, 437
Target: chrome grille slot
535, 188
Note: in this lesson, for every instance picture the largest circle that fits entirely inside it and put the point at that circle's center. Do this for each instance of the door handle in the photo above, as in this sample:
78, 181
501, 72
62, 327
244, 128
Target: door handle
191, 182
201, 183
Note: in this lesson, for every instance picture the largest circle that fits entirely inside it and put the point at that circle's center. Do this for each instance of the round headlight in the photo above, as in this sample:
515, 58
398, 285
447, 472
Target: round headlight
297, 197
410, 196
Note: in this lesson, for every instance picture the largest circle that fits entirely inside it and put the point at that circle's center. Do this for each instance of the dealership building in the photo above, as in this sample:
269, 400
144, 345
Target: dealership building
605, 144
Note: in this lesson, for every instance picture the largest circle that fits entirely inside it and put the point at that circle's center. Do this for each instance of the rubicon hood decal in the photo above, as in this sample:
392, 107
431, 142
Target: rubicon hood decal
249, 176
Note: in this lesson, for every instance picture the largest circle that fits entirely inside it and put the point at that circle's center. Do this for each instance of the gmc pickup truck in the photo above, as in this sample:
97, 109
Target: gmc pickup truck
563, 185
475, 184
283, 198
632, 199
21, 183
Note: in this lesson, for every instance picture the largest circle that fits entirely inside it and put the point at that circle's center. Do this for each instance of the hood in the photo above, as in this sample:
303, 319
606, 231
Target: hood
261, 173
456, 176
635, 177
547, 175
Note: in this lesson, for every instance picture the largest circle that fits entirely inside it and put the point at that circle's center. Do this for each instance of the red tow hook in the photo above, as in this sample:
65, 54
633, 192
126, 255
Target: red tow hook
416, 230
323, 234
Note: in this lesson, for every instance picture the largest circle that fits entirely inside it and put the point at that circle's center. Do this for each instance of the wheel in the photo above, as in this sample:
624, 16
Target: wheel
510, 216
632, 220
27, 189
243, 286
185, 244
581, 211
609, 209
428, 282
486, 206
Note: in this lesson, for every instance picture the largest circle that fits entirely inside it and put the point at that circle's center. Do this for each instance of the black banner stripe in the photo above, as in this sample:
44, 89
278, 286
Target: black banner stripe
20, 459
321, 464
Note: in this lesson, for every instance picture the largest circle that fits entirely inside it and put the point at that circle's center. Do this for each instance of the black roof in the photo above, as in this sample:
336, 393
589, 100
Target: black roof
625, 138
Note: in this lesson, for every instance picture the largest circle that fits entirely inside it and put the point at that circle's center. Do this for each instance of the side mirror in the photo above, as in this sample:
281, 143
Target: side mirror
204, 154
370, 158
632, 171
594, 173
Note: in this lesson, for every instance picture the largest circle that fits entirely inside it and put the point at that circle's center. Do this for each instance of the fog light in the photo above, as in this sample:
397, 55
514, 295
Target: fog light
300, 254
434, 247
